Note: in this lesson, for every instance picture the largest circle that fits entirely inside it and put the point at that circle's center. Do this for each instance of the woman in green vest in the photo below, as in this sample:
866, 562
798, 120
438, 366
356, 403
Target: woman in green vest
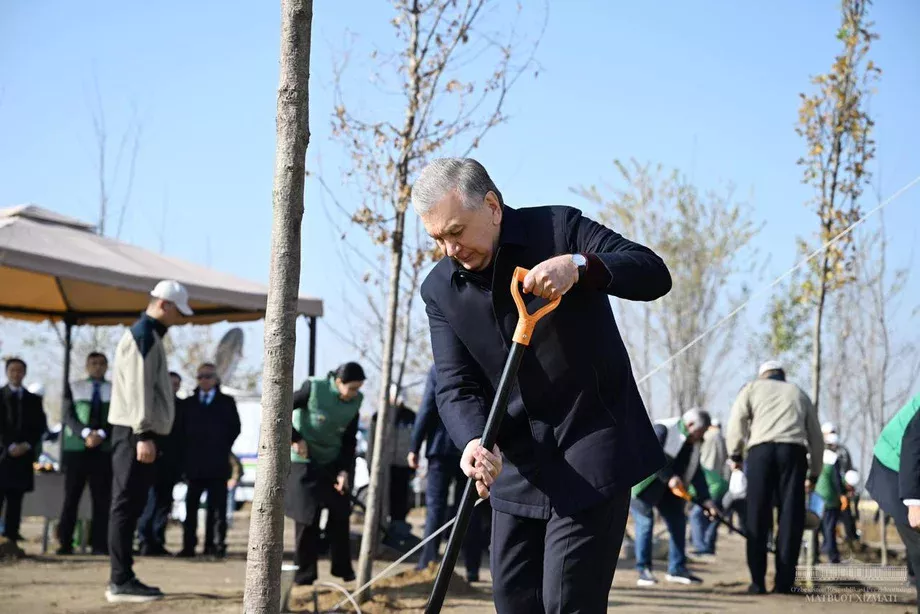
325, 429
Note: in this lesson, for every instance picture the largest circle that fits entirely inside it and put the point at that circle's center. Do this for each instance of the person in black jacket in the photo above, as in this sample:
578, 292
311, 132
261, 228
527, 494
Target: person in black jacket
86, 455
22, 424
151, 527
211, 425
576, 435
443, 469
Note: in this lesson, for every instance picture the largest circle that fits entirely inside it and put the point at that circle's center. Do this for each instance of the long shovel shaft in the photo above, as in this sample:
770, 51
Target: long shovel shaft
465, 510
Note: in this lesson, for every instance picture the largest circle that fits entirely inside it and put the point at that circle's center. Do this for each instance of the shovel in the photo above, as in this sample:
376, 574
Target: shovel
521, 339
682, 493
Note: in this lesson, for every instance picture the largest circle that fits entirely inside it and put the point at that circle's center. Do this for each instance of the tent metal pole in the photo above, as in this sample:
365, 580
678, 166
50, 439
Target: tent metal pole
68, 344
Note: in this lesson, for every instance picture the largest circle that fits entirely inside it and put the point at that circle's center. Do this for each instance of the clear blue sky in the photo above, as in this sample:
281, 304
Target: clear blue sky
711, 88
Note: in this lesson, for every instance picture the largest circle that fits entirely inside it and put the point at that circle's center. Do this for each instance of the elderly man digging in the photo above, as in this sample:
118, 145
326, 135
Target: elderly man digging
576, 436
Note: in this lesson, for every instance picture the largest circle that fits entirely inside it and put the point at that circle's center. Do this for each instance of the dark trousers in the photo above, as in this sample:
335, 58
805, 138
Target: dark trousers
911, 539
829, 521
306, 539
215, 531
131, 481
151, 528
93, 467
564, 564
12, 501
775, 474
399, 492
441, 472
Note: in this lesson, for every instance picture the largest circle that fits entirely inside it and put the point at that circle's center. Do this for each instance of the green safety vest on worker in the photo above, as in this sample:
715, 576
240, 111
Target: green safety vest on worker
827, 486
82, 396
888, 447
673, 442
324, 421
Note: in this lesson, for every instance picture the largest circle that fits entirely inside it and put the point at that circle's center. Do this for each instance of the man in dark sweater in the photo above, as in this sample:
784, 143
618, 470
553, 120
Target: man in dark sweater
212, 424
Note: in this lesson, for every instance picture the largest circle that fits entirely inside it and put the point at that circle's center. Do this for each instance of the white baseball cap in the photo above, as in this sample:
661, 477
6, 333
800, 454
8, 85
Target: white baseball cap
174, 292
770, 365
828, 427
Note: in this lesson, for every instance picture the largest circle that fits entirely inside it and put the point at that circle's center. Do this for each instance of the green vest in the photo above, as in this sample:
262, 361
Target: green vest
826, 488
717, 485
677, 435
888, 447
82, 392
324, 421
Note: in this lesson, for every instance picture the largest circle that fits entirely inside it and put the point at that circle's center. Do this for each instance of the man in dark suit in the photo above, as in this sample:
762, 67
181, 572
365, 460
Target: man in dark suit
443, 468
577, 435
22, 424
211, 425
86, 451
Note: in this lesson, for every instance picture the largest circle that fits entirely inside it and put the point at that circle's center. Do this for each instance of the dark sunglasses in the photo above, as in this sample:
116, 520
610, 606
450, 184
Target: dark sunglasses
207, 376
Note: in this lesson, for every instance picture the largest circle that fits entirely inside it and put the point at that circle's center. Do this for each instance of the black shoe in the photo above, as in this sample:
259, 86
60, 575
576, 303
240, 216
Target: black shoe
64, 551
348, 576
132, 591
472, 577
186, 553
154, 551
756, 589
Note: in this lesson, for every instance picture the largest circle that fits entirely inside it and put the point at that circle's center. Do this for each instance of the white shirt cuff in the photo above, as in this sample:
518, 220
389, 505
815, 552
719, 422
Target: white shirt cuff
101, 433
85, 432
911, 502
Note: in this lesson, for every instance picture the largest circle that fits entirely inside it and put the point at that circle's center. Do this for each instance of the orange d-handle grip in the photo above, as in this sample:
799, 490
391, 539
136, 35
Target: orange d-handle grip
526, 321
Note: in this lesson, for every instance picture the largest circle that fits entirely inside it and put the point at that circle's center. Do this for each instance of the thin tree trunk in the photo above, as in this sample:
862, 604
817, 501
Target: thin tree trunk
816, 335
265, 550
377, 485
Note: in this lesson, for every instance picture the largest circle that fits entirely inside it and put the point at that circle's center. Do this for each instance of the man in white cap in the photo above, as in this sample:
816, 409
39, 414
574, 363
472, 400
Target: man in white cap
775, 425
141, 411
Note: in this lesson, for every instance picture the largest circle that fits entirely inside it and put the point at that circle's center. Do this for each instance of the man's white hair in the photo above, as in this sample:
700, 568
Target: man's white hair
697, 418
444, 175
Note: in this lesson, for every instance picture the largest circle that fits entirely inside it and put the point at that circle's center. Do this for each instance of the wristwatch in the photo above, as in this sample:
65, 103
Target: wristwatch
581, 262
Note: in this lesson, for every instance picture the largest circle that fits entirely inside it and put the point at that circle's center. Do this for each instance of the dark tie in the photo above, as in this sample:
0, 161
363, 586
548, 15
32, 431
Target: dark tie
204, 398
95, 405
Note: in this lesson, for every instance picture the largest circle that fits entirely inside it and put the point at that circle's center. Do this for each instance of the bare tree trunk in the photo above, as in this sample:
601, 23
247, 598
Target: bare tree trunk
377, 485
266, 533
816, 335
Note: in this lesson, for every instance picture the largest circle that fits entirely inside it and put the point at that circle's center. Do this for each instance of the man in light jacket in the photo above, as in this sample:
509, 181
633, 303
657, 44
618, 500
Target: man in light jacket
141, 411
775, 425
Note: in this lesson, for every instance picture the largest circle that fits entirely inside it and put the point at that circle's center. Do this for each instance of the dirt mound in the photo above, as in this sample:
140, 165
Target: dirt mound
9, 551
389, 593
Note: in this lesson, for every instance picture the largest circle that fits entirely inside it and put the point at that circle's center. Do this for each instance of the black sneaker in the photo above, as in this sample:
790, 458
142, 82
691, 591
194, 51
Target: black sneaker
646, 578
756, 589
132, 591
683, 577
185, 553
64, 551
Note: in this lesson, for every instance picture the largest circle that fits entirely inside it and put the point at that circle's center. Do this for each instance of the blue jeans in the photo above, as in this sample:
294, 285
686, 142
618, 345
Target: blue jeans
703, 531
671, 509
441, 472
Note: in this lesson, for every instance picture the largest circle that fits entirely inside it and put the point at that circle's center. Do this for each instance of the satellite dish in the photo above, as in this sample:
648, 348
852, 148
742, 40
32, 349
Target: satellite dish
228, 354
